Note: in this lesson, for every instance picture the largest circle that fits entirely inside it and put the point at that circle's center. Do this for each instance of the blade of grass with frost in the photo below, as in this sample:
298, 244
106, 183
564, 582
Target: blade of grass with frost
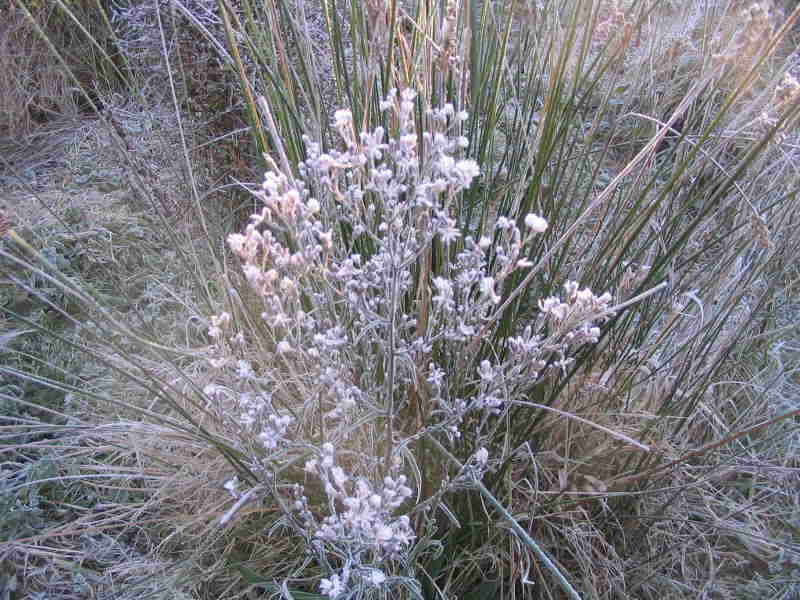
388, 78
566, 586
58, 56
699, 377
192, 428
279, 81
151, 383
568, 178
557, 155
107, 60
675, 248
356, 86
695, 345
199, 213
340, 76
309, 73
489, 44
247, 90
490, 74
294, 95
80, 88
508, 311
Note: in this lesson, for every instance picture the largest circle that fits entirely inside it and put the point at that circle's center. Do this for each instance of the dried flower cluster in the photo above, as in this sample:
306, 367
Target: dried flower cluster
754, 28
779, 112
340, 259
360, 530
613, 20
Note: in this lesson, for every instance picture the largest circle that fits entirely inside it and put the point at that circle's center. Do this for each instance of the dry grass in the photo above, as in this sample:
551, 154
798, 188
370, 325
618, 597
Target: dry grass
31, 84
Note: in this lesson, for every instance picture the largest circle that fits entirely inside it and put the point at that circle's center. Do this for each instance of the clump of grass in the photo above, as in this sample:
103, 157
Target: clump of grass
411, 377
36, 88
23, 54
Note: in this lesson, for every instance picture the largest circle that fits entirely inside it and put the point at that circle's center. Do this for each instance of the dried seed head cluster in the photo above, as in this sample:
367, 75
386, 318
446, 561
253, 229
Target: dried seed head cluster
365, 518
756, 24
613, 20
337, 258
780, 114
754, 28
447, 51
787, 92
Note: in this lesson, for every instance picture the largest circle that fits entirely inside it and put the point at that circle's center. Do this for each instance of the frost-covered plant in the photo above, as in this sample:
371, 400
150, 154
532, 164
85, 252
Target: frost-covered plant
379, 304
